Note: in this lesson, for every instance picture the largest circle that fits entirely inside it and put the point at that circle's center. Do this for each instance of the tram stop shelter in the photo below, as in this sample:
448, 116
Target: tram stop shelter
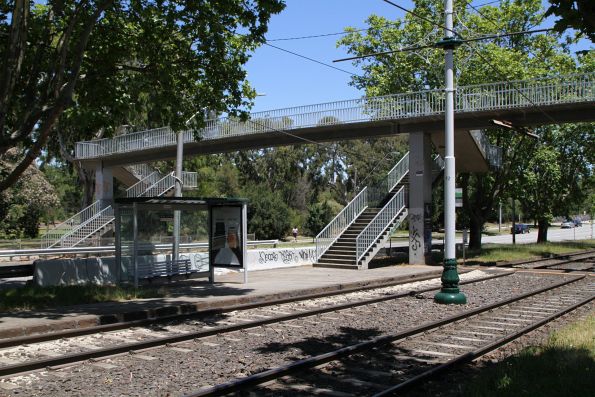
152, 232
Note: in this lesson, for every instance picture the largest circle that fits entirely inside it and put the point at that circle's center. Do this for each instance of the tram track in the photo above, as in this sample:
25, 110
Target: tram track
239, 319
388, 358
559, 262
189, 313
223, 332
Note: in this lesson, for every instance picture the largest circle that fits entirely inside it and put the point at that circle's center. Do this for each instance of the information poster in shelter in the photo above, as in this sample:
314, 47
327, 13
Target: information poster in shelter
226, 236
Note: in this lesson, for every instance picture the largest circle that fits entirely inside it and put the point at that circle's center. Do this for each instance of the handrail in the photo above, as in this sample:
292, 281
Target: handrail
160, 187
140, 170
111, 249
53, 236
189, 179
141, 186
397, 173
492, 153
378, 225
438, 163
89, 227
473, 98
333, 230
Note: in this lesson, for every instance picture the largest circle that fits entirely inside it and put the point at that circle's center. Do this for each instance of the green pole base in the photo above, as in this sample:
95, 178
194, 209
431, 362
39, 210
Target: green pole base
448, 296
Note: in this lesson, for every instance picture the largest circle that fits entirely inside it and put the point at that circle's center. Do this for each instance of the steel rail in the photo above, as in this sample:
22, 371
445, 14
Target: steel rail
470, 356
555, 256
142, 345
310, 362
562, 262
110, 248
29, 339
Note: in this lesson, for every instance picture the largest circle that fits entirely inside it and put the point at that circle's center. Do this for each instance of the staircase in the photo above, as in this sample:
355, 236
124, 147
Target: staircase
354, 237
95, 221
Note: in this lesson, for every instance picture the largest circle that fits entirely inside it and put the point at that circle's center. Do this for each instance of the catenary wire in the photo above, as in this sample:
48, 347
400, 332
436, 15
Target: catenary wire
328, 34
487, 61
480, 38
312, 60
415, 14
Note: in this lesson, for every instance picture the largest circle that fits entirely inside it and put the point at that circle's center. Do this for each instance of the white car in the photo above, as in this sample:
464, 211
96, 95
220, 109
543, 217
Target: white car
567, 225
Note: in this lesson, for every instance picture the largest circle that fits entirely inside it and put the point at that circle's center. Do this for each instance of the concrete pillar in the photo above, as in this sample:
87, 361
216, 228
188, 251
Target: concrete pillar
420, 197
104, 185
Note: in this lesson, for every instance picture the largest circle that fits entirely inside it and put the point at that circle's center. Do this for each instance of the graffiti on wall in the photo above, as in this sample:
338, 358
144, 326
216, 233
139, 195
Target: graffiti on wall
287, 256
415, 236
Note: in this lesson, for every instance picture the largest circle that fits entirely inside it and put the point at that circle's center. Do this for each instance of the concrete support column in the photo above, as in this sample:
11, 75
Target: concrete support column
420, 198
104, 185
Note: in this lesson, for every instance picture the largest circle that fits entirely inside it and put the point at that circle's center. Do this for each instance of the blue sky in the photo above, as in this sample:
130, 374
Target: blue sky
291, 81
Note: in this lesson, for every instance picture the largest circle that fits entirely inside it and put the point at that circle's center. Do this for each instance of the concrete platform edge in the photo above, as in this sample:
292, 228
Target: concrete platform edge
90, 320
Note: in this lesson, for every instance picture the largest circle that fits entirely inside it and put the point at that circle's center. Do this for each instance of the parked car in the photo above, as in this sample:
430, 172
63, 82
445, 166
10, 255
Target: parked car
567, 225
577, 222
520, 228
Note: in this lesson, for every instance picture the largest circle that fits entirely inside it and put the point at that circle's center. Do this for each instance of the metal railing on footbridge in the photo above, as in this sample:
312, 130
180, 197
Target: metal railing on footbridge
368, 196
380, 223
474, 98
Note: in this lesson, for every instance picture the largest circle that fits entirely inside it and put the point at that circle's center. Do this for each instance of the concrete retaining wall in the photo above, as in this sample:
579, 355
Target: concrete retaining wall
104, 270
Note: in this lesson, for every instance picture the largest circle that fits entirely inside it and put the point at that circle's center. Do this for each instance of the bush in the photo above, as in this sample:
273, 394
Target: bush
268, 215
319, 215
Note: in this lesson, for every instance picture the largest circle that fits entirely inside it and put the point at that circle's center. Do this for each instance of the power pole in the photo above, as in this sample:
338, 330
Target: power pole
449, 293
178, 193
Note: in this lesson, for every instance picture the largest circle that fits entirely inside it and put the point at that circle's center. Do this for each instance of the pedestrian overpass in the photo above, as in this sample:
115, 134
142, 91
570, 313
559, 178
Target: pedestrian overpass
533, 102
358, 231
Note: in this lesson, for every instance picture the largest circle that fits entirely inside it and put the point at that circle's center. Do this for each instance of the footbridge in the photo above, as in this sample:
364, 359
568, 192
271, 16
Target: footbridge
552, 100
357, 233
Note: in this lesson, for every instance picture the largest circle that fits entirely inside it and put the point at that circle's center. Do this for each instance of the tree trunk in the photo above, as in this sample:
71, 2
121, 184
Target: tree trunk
475, 227
86, 177
542, 230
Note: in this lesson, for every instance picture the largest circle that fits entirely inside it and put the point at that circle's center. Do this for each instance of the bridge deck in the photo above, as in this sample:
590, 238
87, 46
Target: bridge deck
553, 100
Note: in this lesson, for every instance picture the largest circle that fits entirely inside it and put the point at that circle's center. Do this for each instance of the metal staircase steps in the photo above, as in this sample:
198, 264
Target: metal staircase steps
94, 221
354, 246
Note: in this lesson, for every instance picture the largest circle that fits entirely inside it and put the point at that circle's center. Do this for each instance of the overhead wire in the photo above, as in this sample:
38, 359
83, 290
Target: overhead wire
480, 38
328, 34
312, 60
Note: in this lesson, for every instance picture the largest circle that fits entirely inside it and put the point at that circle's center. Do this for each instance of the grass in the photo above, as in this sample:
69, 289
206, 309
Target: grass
493, 253
564, 366
34, 297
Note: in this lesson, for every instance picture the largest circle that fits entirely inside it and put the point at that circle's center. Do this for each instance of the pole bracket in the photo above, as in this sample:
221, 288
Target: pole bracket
448, 43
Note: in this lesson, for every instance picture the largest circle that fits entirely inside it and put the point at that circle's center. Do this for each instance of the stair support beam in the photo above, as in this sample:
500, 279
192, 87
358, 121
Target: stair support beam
104, 185
420, 198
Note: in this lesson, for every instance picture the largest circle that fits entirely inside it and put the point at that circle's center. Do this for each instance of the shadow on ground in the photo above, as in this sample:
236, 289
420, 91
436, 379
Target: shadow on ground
60, 302
359, 374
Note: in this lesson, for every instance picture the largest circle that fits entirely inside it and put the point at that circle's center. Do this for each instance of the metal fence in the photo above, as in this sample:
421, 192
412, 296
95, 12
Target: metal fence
333, 230
379, 224
397, 173
65, 228
110, 250
481, 97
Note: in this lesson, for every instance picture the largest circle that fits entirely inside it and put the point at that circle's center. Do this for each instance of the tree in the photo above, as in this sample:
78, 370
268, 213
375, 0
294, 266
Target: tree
268, 215
142, 63
557, 177
506, 58
540, 183
23, 205
575, 14
319, 215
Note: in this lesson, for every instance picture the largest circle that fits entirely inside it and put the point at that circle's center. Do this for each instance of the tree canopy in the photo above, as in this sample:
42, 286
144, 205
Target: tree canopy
575, 14
505, 58
93, 66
